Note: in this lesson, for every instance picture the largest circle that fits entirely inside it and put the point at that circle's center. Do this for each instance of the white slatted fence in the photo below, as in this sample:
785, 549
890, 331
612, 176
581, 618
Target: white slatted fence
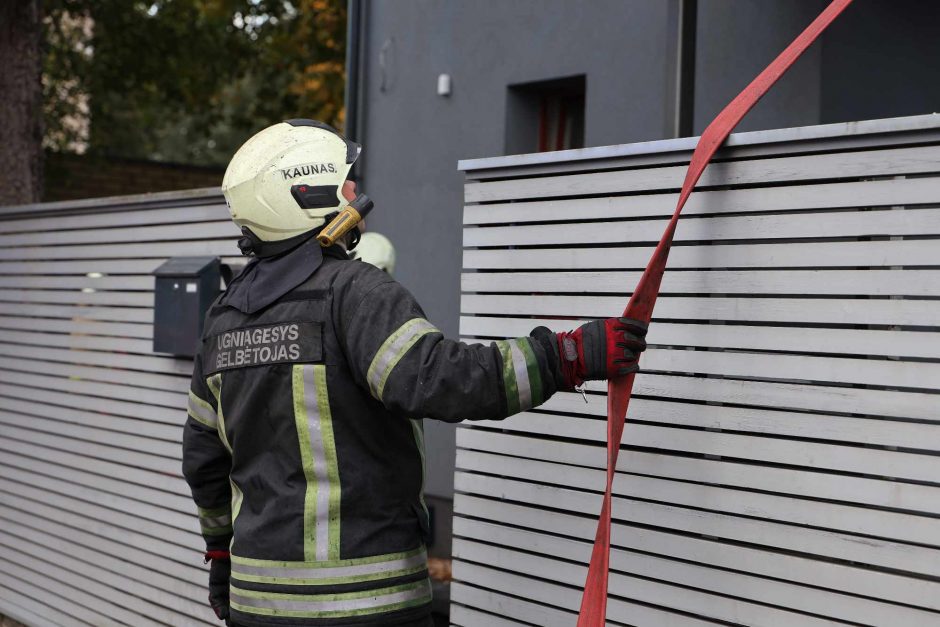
781, 459
96, 523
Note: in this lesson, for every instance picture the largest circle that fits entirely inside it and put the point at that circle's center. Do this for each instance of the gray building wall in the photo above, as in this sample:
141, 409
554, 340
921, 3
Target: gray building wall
736, 40
879, 60
413, 138
882, 59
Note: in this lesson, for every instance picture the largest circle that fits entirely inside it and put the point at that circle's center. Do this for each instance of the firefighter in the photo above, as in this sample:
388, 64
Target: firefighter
376, 249
304, 445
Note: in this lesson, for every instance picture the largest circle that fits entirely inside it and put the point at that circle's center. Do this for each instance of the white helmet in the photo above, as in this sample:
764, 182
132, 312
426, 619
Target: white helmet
376, 249
288, 178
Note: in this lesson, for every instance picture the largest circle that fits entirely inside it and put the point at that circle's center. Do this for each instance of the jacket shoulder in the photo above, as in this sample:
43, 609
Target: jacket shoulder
355, 278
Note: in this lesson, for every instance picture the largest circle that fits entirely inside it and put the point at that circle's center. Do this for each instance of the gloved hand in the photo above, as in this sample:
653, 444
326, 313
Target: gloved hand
602, 349
219, 574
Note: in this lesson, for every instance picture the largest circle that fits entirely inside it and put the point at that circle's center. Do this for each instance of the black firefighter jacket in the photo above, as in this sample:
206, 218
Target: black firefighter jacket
304, 441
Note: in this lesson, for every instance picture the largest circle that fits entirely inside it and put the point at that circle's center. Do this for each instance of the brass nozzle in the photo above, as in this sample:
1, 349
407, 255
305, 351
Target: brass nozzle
342, 224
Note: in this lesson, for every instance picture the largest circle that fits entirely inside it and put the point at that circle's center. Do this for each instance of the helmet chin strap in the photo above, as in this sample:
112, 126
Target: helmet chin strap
253, 246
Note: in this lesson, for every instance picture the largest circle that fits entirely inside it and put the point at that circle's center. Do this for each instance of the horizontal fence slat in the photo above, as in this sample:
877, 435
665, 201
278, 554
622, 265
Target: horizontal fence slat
78, 297
779, 395
823, 369
884, 162
771, 421
80, 342
118, 218
223, 227
78, 327
843, 195
805, 311
879, 223
155, 250
129, 265
79, 282
744, 282
770, 338
78, 312
874, 254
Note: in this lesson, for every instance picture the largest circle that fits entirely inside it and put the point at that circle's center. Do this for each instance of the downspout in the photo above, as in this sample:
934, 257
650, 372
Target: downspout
355, 11
680, 92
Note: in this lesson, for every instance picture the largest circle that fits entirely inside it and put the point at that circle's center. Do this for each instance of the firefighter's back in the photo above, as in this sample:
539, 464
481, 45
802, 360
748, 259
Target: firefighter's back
327, 513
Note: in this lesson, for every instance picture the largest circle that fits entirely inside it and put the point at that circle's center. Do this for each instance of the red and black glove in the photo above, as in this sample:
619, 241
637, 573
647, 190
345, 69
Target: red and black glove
603, 349
220, 571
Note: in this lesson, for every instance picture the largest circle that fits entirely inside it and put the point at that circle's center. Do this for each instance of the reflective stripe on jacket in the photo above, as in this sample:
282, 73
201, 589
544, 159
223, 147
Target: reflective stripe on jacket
304, 444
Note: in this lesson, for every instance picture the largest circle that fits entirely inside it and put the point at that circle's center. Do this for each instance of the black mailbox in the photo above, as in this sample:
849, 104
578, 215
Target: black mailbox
185, 288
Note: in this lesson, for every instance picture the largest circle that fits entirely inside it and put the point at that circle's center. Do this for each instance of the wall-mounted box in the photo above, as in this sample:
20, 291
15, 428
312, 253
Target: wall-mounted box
185, 288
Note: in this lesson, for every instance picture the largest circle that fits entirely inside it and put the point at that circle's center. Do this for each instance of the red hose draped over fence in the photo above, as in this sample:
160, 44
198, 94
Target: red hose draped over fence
594, 602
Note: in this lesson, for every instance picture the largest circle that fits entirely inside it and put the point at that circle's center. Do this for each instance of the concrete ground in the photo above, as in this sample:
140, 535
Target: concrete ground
9, 622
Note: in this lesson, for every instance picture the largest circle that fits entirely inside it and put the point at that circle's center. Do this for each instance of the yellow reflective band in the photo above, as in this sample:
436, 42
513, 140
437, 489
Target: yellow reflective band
360, 603
237, 498
314, 423
535, 375
333, 572
202, 412
215, 522
215, 386
417, 425
392, 350
509, 377
521, 371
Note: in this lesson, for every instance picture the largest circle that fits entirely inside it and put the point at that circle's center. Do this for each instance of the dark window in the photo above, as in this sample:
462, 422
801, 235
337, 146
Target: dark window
545, 115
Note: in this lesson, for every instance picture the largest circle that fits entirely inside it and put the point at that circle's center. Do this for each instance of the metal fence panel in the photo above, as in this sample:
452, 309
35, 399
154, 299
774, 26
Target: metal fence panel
96, 523
781, 460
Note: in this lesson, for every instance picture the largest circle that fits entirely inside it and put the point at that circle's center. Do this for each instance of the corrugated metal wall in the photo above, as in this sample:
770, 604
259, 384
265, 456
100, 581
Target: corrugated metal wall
781, 460
96, 523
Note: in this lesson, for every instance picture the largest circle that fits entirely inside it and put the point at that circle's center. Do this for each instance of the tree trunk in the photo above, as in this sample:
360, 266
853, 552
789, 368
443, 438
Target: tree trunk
21, 102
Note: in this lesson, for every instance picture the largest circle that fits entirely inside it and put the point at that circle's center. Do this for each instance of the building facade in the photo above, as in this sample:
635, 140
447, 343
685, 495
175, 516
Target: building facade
532, 75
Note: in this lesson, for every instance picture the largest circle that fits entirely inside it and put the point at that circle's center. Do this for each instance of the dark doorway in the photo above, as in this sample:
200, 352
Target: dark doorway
545, 115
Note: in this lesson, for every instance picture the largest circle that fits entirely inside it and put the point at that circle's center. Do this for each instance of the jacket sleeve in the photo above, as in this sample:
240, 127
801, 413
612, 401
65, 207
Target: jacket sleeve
408, 364
207, 462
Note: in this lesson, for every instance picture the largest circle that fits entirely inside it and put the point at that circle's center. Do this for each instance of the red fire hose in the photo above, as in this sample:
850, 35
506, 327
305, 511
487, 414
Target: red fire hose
594, 602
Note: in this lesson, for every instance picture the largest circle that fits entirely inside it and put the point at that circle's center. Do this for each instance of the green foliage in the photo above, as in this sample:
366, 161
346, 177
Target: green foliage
189, 80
